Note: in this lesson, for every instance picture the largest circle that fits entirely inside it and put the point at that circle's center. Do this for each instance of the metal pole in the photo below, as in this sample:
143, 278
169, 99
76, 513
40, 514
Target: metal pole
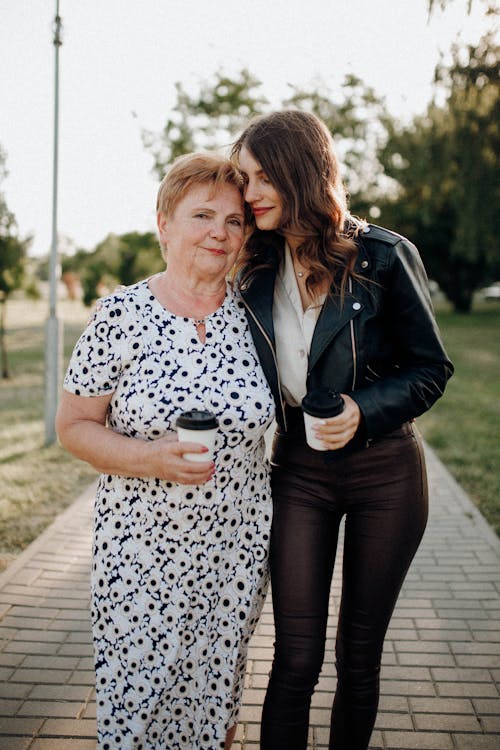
53, 341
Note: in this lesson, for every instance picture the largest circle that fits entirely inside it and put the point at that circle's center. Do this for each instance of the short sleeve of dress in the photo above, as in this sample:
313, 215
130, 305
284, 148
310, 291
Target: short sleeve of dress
95, 364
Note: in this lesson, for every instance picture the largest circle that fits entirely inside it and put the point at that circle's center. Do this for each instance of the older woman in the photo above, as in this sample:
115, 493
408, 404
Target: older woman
180, 546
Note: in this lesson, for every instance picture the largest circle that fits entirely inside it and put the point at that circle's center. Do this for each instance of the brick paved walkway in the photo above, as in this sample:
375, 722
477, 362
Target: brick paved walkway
441, 672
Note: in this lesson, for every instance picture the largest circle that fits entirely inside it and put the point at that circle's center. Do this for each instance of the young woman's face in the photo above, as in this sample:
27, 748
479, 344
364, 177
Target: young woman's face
260, 194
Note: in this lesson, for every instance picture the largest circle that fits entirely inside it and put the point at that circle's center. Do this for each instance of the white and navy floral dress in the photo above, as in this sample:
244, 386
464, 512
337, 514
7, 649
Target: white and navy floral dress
179, 572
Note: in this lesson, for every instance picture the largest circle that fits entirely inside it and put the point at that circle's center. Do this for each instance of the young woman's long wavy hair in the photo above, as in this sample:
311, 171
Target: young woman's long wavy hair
295, 149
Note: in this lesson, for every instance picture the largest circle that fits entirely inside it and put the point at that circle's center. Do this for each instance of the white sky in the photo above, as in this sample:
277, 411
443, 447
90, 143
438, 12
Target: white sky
124, 56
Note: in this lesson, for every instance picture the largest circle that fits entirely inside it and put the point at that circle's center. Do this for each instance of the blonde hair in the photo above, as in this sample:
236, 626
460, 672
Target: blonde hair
195, 169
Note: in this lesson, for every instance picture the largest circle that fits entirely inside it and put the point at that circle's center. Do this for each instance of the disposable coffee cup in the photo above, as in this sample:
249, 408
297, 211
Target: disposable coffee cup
320, 403
198, 426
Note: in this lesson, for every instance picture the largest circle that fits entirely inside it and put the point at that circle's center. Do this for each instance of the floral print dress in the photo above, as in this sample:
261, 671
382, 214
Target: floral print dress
179, 572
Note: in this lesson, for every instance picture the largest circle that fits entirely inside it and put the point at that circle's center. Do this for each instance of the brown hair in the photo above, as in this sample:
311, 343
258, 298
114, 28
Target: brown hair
195, 169
295, 149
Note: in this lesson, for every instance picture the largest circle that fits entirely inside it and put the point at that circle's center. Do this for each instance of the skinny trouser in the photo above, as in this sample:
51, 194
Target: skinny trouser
382, 492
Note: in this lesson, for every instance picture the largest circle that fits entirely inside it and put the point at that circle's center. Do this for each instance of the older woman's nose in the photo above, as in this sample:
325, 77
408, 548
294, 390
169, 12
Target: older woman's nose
218, 230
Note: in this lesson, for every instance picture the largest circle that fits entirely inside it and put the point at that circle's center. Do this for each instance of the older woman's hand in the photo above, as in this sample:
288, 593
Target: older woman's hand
336, 432
81, 426
168, 462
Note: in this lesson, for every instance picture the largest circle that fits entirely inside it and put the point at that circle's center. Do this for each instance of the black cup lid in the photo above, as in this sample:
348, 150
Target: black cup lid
197, 419
323, 402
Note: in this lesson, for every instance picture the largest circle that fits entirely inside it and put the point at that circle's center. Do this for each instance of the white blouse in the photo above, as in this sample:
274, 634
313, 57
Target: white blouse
293, 330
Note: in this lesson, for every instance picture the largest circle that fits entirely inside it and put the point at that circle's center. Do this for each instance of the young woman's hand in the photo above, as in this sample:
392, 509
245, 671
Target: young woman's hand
336, 432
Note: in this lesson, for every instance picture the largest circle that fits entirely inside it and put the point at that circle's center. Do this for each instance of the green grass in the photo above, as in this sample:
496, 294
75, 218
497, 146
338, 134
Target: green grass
464, 426
37, 481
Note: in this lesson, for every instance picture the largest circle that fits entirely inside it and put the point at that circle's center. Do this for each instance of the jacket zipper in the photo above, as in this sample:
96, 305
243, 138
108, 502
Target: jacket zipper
353, 345
274, 356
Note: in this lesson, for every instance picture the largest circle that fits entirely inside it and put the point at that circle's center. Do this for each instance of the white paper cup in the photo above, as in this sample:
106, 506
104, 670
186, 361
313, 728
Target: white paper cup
198, 426
312, 440
318, 405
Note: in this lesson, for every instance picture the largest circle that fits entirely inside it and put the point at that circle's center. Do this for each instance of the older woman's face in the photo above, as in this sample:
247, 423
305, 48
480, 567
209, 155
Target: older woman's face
204, 233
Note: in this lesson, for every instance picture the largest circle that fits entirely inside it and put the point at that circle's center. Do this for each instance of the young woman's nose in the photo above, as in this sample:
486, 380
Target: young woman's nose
251, 193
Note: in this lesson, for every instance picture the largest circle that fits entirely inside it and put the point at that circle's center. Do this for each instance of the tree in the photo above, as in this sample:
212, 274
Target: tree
207, 120
358, 124
13, 256
118, 259
219, 111
491, 8
446, 167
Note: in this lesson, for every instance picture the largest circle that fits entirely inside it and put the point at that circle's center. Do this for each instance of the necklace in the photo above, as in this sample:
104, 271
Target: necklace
199, 321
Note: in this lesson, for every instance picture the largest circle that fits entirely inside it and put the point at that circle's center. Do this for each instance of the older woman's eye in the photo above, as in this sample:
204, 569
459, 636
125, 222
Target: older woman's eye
236, 222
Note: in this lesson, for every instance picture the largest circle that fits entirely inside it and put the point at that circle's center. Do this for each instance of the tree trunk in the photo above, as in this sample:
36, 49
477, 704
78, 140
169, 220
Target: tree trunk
462, 302
3, 348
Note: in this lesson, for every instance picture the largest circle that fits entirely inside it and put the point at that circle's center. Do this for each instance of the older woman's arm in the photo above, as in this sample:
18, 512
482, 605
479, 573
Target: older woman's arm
81, 428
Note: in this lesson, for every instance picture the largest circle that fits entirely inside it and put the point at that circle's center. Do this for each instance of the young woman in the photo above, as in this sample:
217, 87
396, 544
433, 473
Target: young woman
334, 302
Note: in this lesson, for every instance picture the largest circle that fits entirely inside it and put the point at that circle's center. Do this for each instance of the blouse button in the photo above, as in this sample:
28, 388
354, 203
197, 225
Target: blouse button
356, 306
364, 264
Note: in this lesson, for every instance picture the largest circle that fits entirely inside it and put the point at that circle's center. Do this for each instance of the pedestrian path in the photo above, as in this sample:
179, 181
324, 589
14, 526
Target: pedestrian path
441, 669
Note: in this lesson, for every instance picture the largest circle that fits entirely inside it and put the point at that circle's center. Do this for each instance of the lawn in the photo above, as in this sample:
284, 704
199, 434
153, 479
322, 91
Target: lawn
464, 426
38, 482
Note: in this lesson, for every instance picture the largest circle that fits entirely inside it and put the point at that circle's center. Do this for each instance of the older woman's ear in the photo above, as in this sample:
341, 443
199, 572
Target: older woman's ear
161, 222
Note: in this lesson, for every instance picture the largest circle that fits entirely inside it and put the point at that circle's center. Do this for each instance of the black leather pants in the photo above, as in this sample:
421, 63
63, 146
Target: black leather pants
382, 491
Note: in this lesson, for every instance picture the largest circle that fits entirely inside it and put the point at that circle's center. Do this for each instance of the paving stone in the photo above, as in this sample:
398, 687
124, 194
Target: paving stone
61, 692
417, 741
469, 689
63, 744
441, 705
19, 726
451, 723
491, 724
474, 742
15, 743
428, 659
9, 707
68, 728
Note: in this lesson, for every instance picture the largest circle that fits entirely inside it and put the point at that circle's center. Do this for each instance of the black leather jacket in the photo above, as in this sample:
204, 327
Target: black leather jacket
381, 345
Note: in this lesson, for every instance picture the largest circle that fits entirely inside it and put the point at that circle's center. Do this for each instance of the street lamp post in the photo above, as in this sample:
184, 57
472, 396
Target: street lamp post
53, 340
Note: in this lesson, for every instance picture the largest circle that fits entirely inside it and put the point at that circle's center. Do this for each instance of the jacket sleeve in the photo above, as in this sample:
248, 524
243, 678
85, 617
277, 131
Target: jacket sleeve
418, 375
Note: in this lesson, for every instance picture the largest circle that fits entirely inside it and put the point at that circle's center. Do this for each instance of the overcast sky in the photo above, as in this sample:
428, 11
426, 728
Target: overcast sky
120, 60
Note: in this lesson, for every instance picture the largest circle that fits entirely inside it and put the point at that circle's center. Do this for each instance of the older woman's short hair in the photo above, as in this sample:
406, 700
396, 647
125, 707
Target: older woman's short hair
191, 170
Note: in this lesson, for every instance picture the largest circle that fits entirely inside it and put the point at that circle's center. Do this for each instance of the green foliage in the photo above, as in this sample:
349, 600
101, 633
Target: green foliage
13, 258
213, 117
206, 120
358, 123
446, 167
122, 259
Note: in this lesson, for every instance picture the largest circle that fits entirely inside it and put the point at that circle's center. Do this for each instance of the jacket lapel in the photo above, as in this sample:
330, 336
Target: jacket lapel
333, 317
